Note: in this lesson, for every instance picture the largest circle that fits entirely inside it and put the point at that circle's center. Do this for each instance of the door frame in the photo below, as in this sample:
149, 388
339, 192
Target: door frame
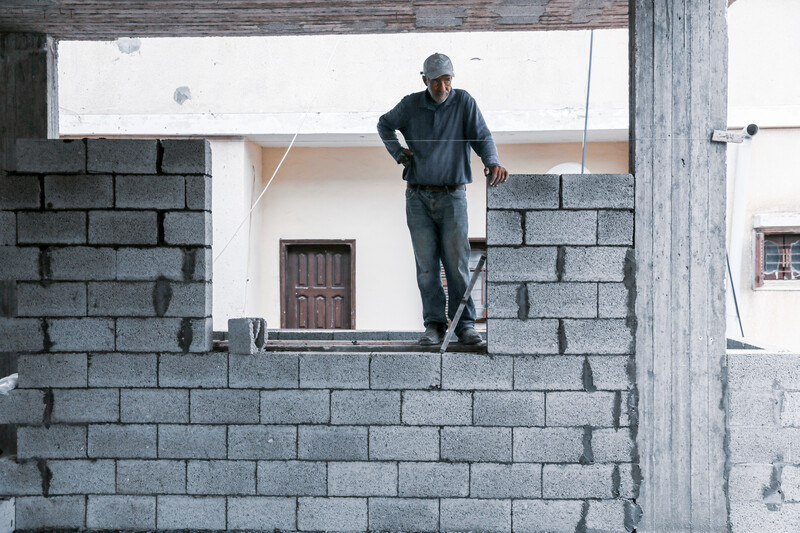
350, 243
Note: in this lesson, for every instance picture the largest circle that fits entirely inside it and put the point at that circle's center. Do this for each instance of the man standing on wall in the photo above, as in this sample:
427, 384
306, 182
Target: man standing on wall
440, 125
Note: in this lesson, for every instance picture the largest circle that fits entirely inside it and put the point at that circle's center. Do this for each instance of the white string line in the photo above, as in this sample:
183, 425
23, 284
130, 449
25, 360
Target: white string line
294, 138
586, 115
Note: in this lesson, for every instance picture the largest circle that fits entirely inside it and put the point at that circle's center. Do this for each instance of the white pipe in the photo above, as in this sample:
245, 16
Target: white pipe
738, 227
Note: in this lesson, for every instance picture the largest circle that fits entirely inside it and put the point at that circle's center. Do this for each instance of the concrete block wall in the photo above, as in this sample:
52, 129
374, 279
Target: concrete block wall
764, 441
105, 276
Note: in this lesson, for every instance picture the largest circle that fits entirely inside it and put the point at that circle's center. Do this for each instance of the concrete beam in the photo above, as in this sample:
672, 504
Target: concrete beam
678, 84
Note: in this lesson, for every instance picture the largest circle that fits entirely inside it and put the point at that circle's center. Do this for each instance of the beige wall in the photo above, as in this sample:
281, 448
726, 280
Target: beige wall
769, 317
357, 193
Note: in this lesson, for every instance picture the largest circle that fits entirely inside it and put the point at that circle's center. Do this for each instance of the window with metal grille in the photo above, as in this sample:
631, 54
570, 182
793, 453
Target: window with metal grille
777, 256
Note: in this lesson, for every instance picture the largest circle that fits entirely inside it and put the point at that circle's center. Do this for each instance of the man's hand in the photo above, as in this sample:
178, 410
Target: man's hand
405, 157
496, 175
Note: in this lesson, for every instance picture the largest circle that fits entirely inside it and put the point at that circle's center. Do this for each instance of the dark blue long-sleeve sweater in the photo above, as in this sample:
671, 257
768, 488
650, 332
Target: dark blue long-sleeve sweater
439, 136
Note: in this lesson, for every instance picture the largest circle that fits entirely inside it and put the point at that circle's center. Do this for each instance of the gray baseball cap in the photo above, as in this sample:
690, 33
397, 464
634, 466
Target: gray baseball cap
437, 65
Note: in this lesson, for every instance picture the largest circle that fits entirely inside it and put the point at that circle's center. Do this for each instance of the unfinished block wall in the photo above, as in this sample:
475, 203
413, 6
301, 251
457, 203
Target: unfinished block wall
561, 293
106, 295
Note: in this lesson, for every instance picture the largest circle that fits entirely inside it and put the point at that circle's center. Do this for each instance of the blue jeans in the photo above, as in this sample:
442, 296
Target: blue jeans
439, 233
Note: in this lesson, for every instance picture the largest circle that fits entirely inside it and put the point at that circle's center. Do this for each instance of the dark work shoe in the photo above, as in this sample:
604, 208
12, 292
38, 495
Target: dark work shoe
469, 336
432, 335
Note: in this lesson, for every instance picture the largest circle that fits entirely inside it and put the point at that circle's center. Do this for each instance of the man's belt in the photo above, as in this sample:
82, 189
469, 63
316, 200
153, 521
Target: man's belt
437, 188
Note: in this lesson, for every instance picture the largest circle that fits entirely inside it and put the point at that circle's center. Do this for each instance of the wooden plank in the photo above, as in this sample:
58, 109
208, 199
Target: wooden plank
359, 346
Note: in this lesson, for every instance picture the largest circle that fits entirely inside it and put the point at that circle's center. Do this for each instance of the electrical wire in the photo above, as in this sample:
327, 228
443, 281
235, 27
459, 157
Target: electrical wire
586, 115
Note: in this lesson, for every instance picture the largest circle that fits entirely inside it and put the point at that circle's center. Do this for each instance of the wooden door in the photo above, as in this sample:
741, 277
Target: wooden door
318, 284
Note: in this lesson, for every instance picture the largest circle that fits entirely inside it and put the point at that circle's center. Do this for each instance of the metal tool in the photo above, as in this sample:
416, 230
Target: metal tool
463, 303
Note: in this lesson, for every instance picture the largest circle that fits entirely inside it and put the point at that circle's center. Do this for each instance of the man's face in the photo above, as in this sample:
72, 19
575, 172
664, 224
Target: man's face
438, 88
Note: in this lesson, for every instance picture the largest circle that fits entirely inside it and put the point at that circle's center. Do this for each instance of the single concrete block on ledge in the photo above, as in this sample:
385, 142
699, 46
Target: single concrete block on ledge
186, 156
247, 335
134, 156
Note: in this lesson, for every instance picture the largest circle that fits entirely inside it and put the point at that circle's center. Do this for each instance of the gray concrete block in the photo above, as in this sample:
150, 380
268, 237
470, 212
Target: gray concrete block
521, 264
476, 515
133, 156
19, 192
562, 300
405, 371
51, 370
610, 372
403, 443
332, 443
221, 477
122, 370
509, 409
224, 406
561, 227
535, 516
44, 156
187, 512
123, 227
511, 336
598, 336
525, 191
612, 445
247, 335
790, 483
332, 514
295, 407
433, 480
193, 370
151, 477
790, 409
760, 370
122, 441
748, 483
186, 156
265, 514
81, 334
292, 478
198, 193
148, 264
362, 479
268, 371
612, 300
191, 442
150, 192
750, 408
57, 227
437, 408
403, 514
262, 442
580, 409
505, 300
476, 444
82, 263
577, 481
335, 371
609, 191
365, 407
80, 476
596, 263
628, 486
615, 227
78, 192
20, 478
19, 263
476, 371
36, 512
549, 372
85, 405
21, 335
181, 228
755, 516
763, 445
503, 227
164, 335
22, 406
606, 515
150, 406
548, 445
54, 442
492, 480
8, 228
51, 299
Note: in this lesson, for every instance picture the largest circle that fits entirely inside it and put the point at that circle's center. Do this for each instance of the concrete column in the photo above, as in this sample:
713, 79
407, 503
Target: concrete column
678, 82
28, 91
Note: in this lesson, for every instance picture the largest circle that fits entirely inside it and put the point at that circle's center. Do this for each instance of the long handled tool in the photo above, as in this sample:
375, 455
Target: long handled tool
463, 303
